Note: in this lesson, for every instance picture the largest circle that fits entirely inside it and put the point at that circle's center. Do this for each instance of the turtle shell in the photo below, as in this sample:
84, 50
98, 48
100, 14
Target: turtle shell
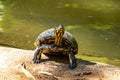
67, 37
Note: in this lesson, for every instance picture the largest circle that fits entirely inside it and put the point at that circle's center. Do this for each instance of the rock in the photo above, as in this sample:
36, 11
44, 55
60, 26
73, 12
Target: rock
51, 68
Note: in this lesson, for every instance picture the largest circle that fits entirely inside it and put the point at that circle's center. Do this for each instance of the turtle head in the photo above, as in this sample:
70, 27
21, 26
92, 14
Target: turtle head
59, 30
58, 34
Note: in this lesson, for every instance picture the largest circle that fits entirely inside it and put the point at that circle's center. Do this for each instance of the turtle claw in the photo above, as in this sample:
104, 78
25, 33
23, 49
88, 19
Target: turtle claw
33, 59
36, 61
72, 66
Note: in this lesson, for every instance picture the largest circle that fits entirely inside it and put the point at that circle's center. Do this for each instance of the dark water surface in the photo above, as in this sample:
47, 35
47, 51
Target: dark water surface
94, 23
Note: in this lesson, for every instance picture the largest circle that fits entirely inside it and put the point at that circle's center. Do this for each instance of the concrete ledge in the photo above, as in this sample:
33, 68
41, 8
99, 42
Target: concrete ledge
51, 68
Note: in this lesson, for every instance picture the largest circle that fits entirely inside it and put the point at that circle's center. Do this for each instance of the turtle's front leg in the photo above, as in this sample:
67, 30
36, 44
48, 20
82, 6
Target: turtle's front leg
72, 59
37, 55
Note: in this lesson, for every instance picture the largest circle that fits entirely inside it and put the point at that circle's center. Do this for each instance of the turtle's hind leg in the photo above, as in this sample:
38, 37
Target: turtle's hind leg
72, 59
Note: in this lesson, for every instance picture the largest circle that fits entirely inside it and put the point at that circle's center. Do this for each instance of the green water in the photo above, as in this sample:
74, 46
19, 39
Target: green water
94, 23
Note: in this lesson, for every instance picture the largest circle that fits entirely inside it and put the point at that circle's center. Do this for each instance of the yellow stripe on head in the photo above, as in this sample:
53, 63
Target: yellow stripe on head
58, 34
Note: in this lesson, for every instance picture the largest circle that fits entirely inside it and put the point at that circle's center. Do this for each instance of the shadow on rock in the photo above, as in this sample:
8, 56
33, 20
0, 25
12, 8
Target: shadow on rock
65, 59
60, 58
85, 62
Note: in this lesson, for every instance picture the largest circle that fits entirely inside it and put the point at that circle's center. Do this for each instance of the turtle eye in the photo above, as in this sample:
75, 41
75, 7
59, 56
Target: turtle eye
55, 32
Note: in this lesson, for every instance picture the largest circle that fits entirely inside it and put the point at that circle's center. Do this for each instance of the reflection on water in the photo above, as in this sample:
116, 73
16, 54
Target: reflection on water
95, 24
1, 15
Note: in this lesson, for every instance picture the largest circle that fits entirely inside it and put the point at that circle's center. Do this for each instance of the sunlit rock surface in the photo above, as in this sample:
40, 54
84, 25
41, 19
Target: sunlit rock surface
51, 68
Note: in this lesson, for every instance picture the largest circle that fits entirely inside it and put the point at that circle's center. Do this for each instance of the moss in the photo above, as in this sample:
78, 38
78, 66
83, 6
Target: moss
102, 26
73, 27
103, 5
111, 61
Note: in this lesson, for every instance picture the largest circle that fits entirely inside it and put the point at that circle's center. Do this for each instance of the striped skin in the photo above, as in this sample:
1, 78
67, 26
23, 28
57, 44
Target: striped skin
58, 34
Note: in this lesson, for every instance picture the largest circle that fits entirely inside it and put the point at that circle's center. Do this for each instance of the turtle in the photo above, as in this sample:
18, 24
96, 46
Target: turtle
56, 41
